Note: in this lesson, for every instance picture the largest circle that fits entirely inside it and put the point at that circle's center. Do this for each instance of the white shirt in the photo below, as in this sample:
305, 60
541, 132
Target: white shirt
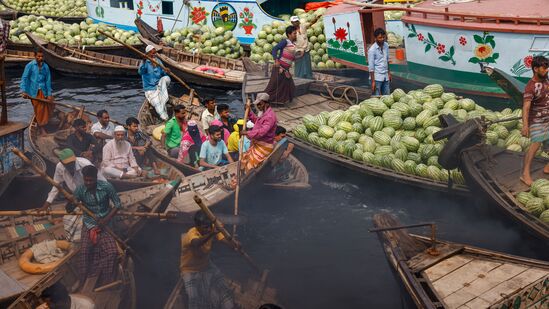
79, 301
302, 42
98, 127
119, 158
207, 118
62, 175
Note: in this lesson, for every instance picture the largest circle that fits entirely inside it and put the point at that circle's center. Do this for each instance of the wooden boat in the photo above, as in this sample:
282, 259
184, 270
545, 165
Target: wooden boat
65, 19
313, 97
17, 58
117, 50
85, 63
19, 233
44, 146
148, 32
440, 274
493, 172
8, 14
291, 175
24, 175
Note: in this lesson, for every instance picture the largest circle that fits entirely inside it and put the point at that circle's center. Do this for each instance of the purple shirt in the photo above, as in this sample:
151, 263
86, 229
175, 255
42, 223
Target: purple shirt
264, 129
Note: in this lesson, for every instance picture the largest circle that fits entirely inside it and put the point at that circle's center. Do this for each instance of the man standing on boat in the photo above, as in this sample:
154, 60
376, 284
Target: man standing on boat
118, 159
36, 82
535, 114
303, 68
209, 114
204, 284
155, 82
98, 251
174, 130
262, 135
281, 87
378, 64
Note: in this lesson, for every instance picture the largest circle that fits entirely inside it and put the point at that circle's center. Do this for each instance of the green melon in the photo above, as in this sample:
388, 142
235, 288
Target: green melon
434, 90
524, 197
398, 165
326, 131
382, 138
535, 206
368, 157
376, 124
345, 126
340, 135
411, 143
544, 217
383, 150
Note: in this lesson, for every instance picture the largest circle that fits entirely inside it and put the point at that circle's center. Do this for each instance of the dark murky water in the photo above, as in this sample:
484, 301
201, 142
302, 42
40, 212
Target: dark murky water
315, 243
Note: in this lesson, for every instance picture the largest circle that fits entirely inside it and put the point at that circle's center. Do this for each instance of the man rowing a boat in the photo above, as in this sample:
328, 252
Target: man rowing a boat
155, 82
535, 114
98, 251
204, 284
262, 135
118, 159
36, 82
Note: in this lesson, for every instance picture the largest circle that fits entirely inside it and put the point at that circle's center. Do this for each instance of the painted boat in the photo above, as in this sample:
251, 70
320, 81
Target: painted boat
314, 97
117, 50
23, 174
17, 58
44, 146
147, 32
446, 44
84, 63
440, 274
290, 174
493, 172
66, 19
16, 236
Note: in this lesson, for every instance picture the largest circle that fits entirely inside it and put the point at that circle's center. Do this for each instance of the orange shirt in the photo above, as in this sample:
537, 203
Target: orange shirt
195, 259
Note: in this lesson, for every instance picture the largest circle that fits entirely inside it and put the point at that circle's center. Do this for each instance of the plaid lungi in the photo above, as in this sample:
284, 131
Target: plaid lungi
207, 289
159, 97
100, 259
539, 132
258, 152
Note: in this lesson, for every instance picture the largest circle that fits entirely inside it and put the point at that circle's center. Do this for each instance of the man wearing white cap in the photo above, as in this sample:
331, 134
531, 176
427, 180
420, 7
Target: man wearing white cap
303, 67
118, 159
155, 82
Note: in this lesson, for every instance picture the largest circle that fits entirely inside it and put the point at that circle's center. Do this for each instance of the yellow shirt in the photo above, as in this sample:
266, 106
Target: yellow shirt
234, 138
195, 259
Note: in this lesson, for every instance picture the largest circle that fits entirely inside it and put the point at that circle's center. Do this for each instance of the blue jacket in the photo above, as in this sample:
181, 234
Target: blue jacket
34, 79
150, 74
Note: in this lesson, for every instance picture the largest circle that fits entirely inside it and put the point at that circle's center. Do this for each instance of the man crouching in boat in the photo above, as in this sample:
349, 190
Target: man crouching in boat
155, 82
535, 114
98, 252
262, 135
204, 283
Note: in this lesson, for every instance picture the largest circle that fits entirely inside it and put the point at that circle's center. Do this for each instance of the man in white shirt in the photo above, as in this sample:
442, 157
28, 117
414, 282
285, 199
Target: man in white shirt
209, 114
303, 67
103, 130
118, 159
69, 172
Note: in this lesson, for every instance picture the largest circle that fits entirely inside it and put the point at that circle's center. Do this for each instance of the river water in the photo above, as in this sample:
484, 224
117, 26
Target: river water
315, 243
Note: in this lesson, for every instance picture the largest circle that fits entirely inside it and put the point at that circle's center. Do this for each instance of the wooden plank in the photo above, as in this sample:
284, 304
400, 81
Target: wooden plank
512, 286
463, 275
443, 268
476, 303
9, 286
425, 260
482, 284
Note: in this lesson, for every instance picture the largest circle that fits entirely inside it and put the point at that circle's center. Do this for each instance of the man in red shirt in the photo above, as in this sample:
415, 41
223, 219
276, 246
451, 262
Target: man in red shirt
535, 114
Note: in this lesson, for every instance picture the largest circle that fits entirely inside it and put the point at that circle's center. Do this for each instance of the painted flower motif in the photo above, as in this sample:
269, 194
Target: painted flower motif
441, 48
528, 61
420, 37
139, 12
462, 41
483, 51
246, 20
246, 9
340, 34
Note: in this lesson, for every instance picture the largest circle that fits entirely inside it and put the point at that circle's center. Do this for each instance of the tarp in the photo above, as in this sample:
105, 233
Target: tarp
311, 6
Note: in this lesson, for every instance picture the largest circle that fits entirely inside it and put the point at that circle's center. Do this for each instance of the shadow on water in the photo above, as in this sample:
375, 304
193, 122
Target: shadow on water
316, 243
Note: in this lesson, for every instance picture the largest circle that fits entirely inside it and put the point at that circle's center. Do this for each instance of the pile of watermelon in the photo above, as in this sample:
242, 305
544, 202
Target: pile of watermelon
396, 131
536, 201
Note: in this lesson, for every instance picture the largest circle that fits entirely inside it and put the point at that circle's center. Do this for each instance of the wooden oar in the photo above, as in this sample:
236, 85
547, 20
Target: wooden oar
239, 164
219, 226
179, 80
73, 200
72, 107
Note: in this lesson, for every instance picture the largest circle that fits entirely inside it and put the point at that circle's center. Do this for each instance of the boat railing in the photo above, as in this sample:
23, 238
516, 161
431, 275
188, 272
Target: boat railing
431, 250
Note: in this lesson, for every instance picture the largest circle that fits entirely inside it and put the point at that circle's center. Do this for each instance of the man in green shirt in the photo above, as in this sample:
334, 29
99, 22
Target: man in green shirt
173, 131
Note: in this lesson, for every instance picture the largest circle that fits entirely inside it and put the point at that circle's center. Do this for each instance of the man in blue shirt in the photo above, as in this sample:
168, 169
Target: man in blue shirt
378, 64
213, 150
36, 82
155, 82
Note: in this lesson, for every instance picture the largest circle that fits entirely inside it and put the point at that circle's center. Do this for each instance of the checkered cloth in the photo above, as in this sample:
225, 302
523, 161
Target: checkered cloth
207, 289
100, 259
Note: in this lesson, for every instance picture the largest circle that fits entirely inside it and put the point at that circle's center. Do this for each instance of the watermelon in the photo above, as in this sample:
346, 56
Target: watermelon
403, 108
512, 139
410, 167
514, 147
369, 144
438, 103
353, 136
340, 135
376, 124
542, 191
398, 94
392, 120
300, 132
492, 137
322, 119
311, 123
430, 106
420, 134
387, 100
427, 151
451, 104
411, 143
383, 150
313, 138
434, 90
431, 121
535, 206
375, 105
544, 217
368, 157
434, 173
382, 138
501, 131
457, 177
398, 165
421, 170
537, 184
357, 155
414, 156
401, 154
326, 131
357, 127
389, 131
433, 160
364, 111
330, 144
423, 116
409, 123
415, 109
356, 118
467, 104
387, 161
335, 117
448, 96
345, 126
423, 97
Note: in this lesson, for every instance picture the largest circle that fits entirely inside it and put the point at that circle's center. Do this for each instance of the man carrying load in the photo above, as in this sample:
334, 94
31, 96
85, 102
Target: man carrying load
303, 68
155, 82
535, 114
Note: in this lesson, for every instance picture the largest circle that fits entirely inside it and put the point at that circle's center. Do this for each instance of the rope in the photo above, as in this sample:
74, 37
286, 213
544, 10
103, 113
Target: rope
343, 97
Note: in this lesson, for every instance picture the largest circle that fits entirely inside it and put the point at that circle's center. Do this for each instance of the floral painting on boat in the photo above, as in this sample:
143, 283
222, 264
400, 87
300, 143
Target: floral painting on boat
524, 65
446, 54
484, 51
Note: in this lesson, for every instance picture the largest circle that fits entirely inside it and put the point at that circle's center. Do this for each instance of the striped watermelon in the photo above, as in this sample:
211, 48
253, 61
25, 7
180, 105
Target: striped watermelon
401, 154
535, 206
524, 142
467, 104
406, 99
398, 94
364, 111
414, 156
438, 103
448, 96
368, 157
376, 124
514, 147
421, 170
357, 154
491, 137
345, 126
387, 100
335, 117
423, 116
430, 106
369, 144
524, 197
544, 217
403, 108
382, 138
433, 160
387, 161
322, 119
452, 104
424, 97
347, 116
313, 138
311, 123
434, 173
377, 160
356, 118
392, 120
427, 150
357, 127
409, 123
461, 115
542, 191
431, 121
340, 135
330, 144
322, 142
340, 147
512, 139
398, 165
446, 111
376, 106
411, 143
410, 167
457, 177
444, 175
434, 90
326, 131
353, 136
432, 129
389, 131
420, 134
349, 146
366, 121
538, 183
415, 109
300, 132
383, 150
501, 131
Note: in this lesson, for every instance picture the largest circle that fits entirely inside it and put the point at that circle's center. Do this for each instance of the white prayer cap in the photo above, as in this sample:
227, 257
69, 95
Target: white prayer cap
294, 18
261, 97
148, 48
249, 124
119, 129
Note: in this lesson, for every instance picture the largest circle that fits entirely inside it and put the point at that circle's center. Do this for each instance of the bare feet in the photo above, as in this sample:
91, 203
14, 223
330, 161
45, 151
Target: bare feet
527, 180
546, 169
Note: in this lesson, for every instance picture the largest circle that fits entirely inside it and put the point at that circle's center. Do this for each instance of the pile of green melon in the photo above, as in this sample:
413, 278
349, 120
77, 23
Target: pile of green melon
396, 131
536, 201
84, 33
61, 8
205, 40
394, 40
272, 34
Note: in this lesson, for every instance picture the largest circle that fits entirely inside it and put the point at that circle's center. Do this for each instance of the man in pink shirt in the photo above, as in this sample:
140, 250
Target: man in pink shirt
262, 135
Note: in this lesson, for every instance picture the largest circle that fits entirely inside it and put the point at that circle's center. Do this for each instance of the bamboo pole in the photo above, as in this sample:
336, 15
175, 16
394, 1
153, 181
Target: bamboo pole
72, 107
179, 80
73, 200
35, 212
239, 164
219, 226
